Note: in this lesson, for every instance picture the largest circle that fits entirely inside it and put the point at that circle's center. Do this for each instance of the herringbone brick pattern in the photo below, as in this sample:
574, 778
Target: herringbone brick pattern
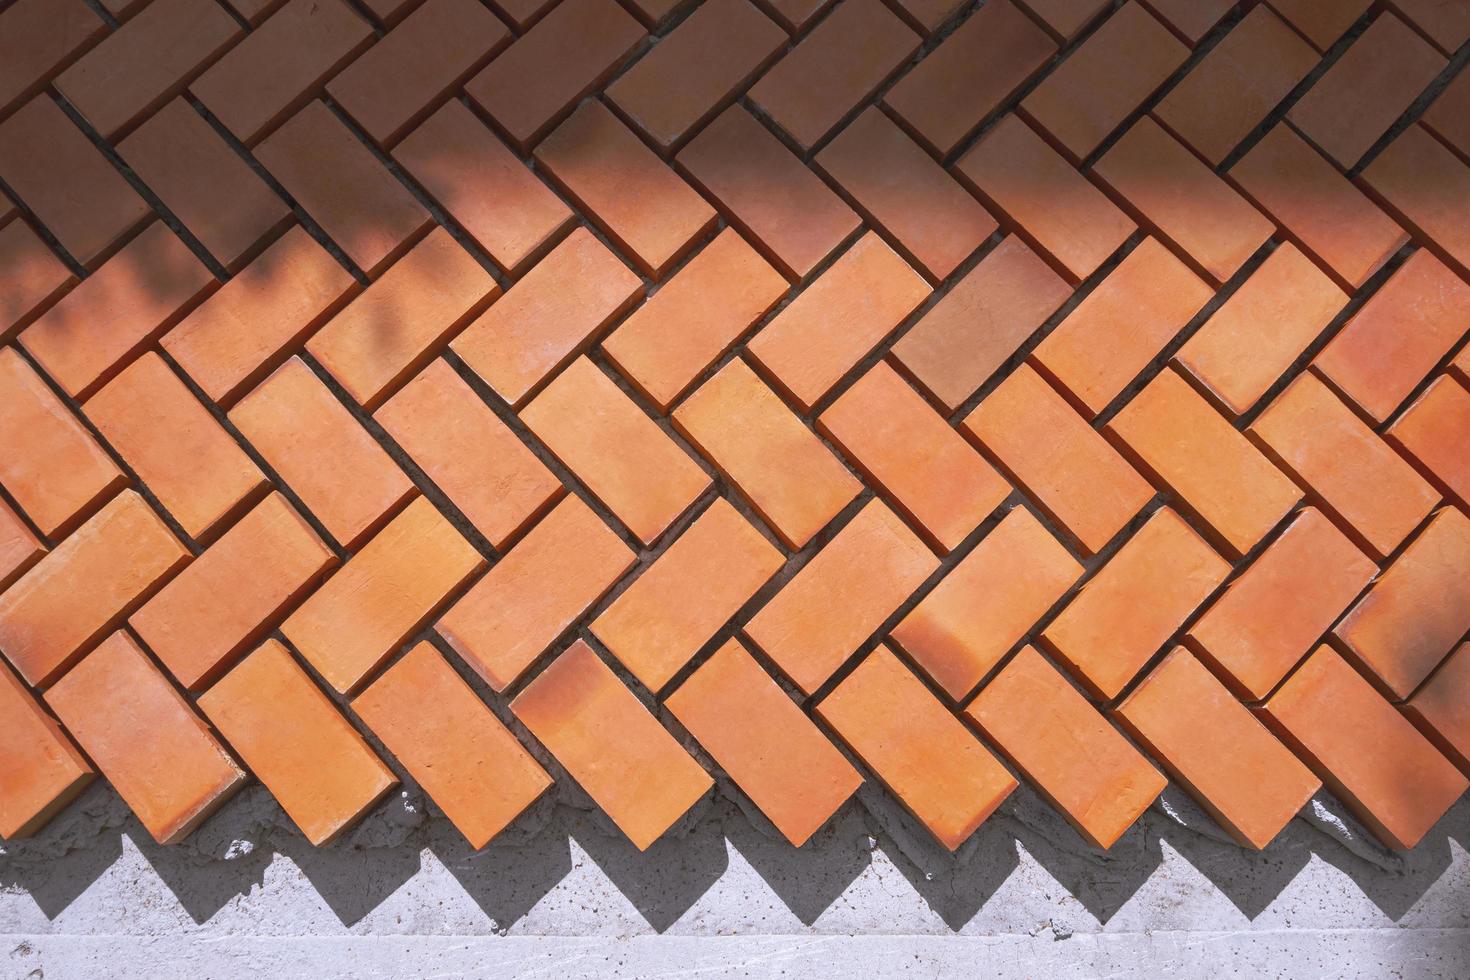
625, 393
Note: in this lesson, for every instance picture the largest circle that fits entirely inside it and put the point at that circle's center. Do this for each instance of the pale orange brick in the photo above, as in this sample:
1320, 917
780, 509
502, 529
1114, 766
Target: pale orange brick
791, 479
1427, 188
32, 278
1434, 431
297, 743
19, 548
532, 595
39, 38
41, 771
1322, 22
1441, 709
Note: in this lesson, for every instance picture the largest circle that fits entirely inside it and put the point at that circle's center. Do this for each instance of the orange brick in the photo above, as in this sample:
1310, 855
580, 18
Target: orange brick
1258, 333
1417, 610
145, 739
54, 469
840, 64
982, 321
33, 277
901, 444
1270, 617
460, 753
337, 181
38, 38
1441, 709
322, 453
1317, 207
955, 87
260, 317
767, 193
279, 67
1367, 753
987, 603
567, 54
226, 600
146, 62
764, 742
1345, 467
92, 333
19, 548
694, 318
199, 178
41, 771
1183, 201
1247, 780
297, 743
85, 587
628, 463
385, 593
1321, 21
1397, 337
1365, 91
559, 570
1121, 326
1428, 189
550, 316
1175, 438
791, 479
483, 186
687, 595
611, 745
1446, 24
1448, 117
922, 753
480, 464
1434, 432
1078, 761
696, 70
1075, 477
840, 598
1065, 18
934, 220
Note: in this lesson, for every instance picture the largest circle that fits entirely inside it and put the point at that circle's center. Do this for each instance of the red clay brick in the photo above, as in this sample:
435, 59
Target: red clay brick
1260, 331
1065, 18
402, 321
389, 12
297, 743
256, 11
1247, 780
980, 323
38, 38
836, 601
987, 603
833, 69
1173, 436
19, 548
1434, 431
483, 186
924, 755
697, 70
1057, 210
1190, 19
1367, 753
684, 598
1183, 201
1121, 326
644, 207
1445, 22
32, 278
558, 571
764, 742
550, 316
959, 84
41, 771
281, 66
1236, 85
401, 79
1078, 761
321, 452
1345, 467
1044, 446
1397, 337
337, 181
1326, 216
1448, 117
767, 193
694, 318
1270, 617
931, 475
567, 54
624, 458
1321, 21
793, 481
146, 739
1461, 364
460, 753
1417, 610
226, 600
934, 220
1427, 188
260, 317
520, 13
1441, 709
611, 745
122, 9
928, 15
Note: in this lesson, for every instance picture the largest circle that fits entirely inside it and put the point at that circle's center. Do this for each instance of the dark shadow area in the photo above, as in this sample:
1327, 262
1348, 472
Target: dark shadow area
807, 879
507, 878
61, 862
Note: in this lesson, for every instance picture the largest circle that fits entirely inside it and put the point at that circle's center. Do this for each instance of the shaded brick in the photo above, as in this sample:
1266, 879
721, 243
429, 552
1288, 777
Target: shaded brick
32, 278
1321, 21
1441, 709
1065, 18
41, 771
1434, 431
19, 548
1448, 117
1190, 19
38, 38
1428, 189
1445, 22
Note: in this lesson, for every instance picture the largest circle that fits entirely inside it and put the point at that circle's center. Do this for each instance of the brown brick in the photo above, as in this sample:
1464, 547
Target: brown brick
41, 771
33, 277
38, 38
1427, 188
1322, 22
1446, 24
1065, 18
1448, 117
